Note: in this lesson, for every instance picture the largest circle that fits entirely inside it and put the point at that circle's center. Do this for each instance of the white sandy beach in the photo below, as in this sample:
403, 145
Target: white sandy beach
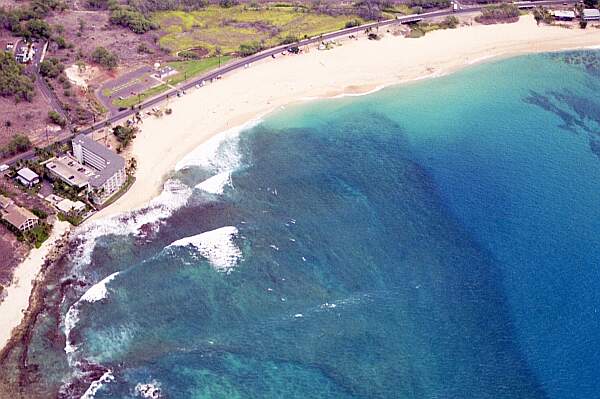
357, 66
16, 301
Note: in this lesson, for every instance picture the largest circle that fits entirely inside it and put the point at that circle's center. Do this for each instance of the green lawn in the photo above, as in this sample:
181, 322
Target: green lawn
191, 68
186, 70
134, 100
227, 28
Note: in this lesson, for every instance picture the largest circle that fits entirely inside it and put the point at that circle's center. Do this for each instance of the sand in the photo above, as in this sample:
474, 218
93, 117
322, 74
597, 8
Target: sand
357, 66
16, 301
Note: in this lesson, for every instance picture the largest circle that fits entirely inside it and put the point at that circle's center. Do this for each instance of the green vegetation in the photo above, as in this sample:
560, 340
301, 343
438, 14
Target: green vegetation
105, 58
42, 214
189, 69
352, 23
75, 218
421, 28
247, 49
26, 21
55, 118
229, 28
499, 13
129, 17
17, 144
51, 67
134, 100
13, 82
37, 235
124, 134
427, 4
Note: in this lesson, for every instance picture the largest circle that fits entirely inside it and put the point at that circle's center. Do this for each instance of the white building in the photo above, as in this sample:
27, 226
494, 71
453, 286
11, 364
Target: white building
109, 167
591, 14
28, 177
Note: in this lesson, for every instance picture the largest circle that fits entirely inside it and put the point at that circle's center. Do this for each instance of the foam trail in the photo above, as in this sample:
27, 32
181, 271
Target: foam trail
148, 390
216, 184
90, 393
216, 246
95, 293
175, 195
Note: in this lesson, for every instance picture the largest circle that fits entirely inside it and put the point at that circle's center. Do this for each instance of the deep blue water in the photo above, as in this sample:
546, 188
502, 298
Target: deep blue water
433, 240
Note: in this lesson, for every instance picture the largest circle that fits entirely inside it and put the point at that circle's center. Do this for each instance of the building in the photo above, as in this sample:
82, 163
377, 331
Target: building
92, 167
5, 202
25, 53
19, 218
66, 206
591, 14
564, 15
165, 72
28, 177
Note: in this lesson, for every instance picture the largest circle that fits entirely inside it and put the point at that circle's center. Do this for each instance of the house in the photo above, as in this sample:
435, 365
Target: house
591, 14
66, 206
165, 72
564, 15
5, 202
92, 168
28, 177
25, 54
19, 218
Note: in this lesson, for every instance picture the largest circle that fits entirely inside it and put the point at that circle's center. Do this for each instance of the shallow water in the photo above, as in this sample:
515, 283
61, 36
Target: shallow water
433, 240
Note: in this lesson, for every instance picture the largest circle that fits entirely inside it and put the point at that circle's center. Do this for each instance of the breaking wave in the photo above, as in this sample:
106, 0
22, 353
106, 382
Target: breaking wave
90, 393
216, 184
217, 246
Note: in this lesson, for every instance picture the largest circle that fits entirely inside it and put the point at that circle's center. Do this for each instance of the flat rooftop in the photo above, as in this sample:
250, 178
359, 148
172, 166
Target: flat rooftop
70, 170
114, 162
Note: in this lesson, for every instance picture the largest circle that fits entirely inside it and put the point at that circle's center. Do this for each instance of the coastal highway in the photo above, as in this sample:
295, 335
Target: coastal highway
241, 63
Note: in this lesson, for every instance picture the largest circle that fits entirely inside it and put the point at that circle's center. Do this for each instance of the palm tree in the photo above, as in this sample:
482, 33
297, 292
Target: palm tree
218, 53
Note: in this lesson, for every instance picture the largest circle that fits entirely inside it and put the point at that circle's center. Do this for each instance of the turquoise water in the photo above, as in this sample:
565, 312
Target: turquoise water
434, 240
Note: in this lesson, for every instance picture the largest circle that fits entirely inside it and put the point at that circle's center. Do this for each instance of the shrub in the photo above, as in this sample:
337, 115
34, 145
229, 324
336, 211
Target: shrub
247, 49
55, 118
289, 39
143, 48
105, 58
498, 13
583, 24
13, 82
51, 68
38, 28
124, 134
17, 144
450, 22
188, 55
39, 213
61, 42
352, 23
228, 3
132, 19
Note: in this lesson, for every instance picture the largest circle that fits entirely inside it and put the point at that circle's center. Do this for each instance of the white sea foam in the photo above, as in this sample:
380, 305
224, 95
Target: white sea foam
148, 390
95, 293
90, 393
175, 195
216, 184
217, 246
480, 59
219, 153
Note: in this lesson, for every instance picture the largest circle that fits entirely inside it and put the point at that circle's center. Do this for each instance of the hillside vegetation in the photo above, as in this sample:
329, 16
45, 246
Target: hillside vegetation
228, 28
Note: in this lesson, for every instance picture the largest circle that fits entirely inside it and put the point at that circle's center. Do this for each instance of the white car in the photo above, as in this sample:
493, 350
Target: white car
4, 167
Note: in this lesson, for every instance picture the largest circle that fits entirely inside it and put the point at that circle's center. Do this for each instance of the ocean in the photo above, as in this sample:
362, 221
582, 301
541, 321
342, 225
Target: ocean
439, 239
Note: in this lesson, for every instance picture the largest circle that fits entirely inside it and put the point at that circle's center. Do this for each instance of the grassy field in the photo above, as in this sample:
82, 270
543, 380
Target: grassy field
186, 70
192, 68
227, 28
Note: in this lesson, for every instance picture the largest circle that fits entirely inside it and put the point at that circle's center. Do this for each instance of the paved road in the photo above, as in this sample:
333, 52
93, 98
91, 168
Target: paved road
239, 64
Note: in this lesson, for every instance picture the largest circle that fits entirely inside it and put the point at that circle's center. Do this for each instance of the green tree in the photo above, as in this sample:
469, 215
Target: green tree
51, 68
105, 58
13, 82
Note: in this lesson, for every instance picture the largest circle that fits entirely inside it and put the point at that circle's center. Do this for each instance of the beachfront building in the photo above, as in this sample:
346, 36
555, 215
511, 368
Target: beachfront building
564, 15
17, 217
591, 14
28, 177
92, 168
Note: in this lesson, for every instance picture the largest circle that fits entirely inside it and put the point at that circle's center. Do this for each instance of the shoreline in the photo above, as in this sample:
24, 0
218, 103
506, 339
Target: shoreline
239, 97
356, 68
17, 300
